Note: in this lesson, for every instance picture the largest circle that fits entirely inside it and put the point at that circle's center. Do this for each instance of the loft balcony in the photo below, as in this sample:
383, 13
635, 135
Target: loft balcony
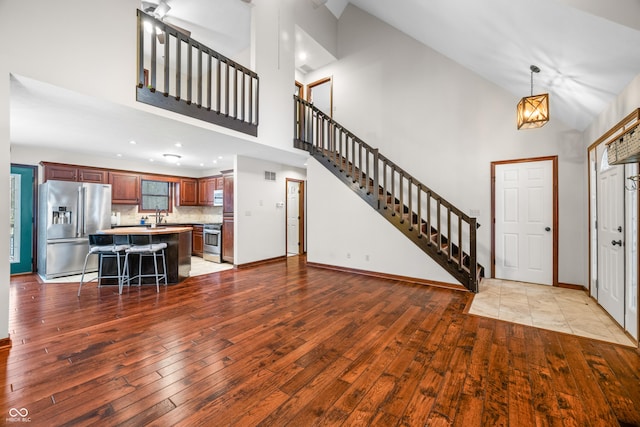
180, 74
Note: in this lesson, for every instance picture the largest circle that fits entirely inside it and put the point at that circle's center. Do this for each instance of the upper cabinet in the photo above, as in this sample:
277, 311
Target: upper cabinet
206, 186
62, 172
187, 192
125, 188
227, 193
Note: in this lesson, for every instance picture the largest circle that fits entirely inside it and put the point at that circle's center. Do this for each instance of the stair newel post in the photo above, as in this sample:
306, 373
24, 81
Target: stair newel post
154, 64
473, 262
209, 80
297, 119
376, 168
178, 68
439, 227
199, 82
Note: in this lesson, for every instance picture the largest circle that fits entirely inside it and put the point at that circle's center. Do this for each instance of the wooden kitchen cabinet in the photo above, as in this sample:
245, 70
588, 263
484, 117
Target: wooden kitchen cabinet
62, 172
187, 192
219, 183
205, 191
197, 241
227, 194
125, 188
227, 239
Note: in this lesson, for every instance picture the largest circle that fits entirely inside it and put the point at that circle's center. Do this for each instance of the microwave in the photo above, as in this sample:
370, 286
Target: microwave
217, 197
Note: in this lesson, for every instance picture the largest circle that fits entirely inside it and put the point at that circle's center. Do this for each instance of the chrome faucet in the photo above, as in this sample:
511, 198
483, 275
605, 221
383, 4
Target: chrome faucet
159, 215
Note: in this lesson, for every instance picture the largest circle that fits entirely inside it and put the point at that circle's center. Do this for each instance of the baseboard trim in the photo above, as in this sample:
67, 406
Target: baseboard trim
261, 262
5, 344
415, 280
571, 286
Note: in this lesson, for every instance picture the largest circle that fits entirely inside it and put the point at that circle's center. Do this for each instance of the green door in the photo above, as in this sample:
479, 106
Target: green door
21, 218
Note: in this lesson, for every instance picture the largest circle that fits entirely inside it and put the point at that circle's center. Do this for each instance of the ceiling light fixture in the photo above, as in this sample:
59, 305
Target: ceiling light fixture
172, 158
533, 111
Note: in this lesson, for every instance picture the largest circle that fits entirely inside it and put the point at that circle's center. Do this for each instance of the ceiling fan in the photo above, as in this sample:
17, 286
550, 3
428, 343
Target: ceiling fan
159, 11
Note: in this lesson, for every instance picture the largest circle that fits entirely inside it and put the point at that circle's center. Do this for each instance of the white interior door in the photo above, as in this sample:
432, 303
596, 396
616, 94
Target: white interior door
293, 217
611, 235
523, 222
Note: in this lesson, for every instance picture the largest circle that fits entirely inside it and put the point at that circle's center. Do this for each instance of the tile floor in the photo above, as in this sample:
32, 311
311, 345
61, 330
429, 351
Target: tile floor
557, 309
198, 268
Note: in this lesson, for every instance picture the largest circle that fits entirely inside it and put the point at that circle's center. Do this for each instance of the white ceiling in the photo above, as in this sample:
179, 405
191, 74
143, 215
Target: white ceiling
587, 51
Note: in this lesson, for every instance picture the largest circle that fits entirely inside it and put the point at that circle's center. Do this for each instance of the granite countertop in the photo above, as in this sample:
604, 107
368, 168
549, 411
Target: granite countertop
163, 229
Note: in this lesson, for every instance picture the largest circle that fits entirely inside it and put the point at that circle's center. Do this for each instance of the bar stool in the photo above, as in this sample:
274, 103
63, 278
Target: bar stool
106, 246
141, 245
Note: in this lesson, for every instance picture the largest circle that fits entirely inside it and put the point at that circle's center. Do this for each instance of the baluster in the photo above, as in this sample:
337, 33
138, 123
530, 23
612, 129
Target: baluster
243, 105
401, 193
257, 102
199, 85
189, 73
218, 85
367, 172
376, 177
227, 83
428, 222
449, 242
346, 157
419, 217
439, 228
178, 68
353, 158
209, 79
339, 153
410, 194
384, 184
473, 263
154, 60
459, 242
393, 190
141, 34
251, 101
235, 92
360, 171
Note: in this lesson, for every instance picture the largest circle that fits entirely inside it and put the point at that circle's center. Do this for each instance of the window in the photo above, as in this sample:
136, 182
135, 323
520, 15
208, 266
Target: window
155, 195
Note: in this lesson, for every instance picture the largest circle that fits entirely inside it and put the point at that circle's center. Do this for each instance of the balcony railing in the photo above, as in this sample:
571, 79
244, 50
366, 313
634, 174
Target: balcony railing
180, 74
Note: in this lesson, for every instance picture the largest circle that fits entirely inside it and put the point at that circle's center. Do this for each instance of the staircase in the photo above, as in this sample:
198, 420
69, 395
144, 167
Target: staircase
441, 230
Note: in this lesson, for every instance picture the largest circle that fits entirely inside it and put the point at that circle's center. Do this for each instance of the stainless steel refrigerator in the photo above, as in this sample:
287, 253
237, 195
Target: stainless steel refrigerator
67, 213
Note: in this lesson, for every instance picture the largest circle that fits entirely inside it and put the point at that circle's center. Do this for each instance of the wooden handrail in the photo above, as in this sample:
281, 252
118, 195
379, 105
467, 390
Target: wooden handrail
389, 188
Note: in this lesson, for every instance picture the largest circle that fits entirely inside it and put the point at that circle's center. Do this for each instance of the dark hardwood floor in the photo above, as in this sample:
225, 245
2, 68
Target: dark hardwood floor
285, 344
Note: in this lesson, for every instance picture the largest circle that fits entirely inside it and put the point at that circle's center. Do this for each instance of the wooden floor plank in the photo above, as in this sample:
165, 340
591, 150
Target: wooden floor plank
287, 344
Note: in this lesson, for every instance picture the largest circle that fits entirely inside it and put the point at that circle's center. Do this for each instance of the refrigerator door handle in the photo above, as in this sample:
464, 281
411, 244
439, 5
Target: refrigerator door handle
83, 200
78, 215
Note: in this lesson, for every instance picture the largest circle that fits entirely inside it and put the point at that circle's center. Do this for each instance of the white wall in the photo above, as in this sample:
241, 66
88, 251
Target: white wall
343, 230
445, 125
260, 220
5, 270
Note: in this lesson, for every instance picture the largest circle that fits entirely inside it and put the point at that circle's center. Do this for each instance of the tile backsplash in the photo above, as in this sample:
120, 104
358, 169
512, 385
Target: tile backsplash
129, 214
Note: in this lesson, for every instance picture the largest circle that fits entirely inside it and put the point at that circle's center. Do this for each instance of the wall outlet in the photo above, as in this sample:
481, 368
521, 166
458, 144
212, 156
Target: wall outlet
366, 258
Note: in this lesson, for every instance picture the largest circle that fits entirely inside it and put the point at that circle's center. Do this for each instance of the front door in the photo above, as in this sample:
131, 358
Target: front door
21, 253
610, 231
524, 221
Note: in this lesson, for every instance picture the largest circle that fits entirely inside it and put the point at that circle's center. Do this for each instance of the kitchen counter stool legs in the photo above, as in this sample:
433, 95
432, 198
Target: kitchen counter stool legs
106, 246
142, 245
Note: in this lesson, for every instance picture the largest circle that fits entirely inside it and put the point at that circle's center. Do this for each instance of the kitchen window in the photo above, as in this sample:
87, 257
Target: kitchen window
155, 195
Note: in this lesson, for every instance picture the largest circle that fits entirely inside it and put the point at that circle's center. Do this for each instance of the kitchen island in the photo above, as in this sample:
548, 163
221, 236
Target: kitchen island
177, 253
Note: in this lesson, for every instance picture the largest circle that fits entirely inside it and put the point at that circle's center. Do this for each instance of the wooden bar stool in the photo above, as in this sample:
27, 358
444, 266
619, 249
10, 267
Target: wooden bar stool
141, 245
107, 246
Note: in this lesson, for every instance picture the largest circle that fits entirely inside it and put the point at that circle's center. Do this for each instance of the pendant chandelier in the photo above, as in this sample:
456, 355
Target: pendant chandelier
533, 111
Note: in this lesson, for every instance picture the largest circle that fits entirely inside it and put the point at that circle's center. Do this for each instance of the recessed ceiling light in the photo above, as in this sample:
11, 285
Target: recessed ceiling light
119, 155
172, 158
220, 157
215, 161
201, 164
177, 144
151, 160
302, 56
132, 142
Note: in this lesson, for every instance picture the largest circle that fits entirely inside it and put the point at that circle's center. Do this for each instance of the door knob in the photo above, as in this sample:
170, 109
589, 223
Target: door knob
616, 242
547, 229
620, 229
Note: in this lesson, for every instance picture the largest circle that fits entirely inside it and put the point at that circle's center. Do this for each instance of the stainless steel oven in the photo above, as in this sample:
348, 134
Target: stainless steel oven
212, 245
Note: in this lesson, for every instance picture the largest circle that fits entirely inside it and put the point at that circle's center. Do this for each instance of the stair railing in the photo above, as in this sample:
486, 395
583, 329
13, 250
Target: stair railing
393, 191
178, 73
